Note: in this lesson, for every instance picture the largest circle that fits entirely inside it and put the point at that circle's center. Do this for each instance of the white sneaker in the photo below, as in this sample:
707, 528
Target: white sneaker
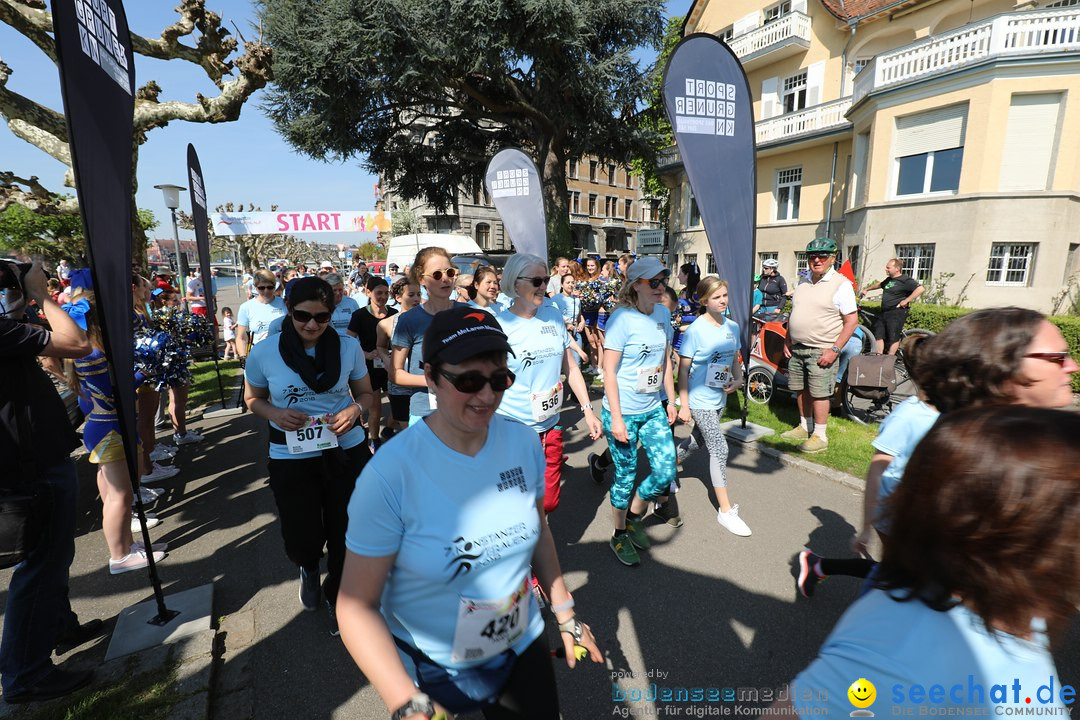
162, 453
158, 474
600, 375
187, 438
731, 521
152, 521
148, 495
135, 560
137, 545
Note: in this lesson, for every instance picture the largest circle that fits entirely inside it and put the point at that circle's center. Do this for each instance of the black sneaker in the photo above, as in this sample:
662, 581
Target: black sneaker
668, 512
595, 470
331, 613
309, 589
79, 635
56, 684
387, 433
808, 577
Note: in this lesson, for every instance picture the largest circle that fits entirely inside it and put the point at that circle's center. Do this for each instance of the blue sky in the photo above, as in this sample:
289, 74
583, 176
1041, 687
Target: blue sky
243, 161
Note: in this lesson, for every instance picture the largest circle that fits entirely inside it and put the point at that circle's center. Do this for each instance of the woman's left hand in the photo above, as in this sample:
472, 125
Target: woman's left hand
596, 428
671, 413
344, 420
587, 641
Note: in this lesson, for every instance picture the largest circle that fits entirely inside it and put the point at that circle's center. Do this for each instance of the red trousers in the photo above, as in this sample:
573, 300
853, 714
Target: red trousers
552, 441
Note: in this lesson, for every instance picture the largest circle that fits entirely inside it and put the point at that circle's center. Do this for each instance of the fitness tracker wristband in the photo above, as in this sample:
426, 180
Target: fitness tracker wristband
835, 349
418, 703
574, 628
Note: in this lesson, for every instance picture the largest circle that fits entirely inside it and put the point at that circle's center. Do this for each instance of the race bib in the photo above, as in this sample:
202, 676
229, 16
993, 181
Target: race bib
432, 401
377, 363
315, 436
486, 628
648, 379
719, 375
546, 405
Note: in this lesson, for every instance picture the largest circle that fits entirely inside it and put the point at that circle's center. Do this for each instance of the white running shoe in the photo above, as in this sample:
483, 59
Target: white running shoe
731, 521
137, 545
148, 495
158, 474
152, 521
134, 560
187, 438
163, 453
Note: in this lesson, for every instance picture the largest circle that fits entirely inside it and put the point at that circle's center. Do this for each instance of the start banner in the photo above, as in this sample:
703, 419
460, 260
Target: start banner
277, 223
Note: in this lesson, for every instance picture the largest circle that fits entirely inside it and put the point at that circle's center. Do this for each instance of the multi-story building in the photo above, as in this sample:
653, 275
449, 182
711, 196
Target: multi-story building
935, 131
606, 205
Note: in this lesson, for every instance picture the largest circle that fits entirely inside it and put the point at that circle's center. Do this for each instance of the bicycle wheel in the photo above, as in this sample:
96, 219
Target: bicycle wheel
905, 386
760, 386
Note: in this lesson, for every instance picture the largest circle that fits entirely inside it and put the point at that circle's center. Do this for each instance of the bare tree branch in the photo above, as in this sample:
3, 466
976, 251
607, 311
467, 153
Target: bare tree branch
30, 19
34, 197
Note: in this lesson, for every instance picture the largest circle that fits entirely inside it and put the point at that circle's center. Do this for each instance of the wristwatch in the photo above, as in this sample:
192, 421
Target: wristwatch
835, 349
418, 704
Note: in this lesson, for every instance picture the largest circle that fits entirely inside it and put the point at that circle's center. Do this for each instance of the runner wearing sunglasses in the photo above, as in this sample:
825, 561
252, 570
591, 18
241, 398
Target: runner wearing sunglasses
542, 358
312, 384
434, 272
435, 603
637, 366
254, 316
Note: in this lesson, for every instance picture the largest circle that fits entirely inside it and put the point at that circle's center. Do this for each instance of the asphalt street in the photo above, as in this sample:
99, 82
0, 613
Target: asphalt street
705, 609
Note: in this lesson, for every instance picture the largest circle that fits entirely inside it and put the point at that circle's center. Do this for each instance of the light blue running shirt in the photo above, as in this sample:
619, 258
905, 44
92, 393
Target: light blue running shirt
898, 436
711, 350
539, 345
266, 369
494, 307
343, 314
461, 527
569, 306
643, 341
256, 316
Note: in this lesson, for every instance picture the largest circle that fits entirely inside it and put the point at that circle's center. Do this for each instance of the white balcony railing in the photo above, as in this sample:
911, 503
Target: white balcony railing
1010, 35
813, 119
668, 159
794, 26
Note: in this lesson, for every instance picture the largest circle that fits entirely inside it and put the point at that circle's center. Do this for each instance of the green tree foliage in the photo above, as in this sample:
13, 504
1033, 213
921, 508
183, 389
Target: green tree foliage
50, 236
428, 90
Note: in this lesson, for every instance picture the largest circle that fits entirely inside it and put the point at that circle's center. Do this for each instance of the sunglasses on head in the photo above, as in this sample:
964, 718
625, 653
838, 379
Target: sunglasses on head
655, 282
304, 317
1058, 358
474, 381
536, 281
450, 274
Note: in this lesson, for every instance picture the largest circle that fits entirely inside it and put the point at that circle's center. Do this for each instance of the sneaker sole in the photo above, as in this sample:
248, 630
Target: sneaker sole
804, 573
813, 452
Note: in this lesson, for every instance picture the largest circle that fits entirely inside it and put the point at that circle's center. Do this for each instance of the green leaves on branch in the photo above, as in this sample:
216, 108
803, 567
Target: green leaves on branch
50, 236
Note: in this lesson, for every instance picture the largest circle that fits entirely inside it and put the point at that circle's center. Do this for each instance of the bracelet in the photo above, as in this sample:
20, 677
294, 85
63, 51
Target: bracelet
357, 404
563, 606
574, 628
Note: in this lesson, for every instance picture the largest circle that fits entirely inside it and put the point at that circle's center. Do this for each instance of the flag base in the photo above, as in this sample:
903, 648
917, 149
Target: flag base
216, 411
752, 431
136, 630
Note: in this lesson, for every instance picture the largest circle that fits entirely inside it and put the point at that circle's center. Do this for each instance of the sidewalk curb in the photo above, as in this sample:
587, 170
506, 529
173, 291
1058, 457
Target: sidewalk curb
836, 476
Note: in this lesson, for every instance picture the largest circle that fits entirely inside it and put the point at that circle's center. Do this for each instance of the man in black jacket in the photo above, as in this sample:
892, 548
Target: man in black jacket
38, 616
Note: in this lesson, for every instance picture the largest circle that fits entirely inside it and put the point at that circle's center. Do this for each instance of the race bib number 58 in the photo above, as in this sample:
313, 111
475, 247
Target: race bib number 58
648, 379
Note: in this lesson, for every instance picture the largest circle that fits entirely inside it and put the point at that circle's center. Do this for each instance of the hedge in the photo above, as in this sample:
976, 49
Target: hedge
936, 317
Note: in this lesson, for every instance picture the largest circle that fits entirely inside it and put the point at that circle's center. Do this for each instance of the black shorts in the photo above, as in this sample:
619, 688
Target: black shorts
379, 381
889, 325
399, 407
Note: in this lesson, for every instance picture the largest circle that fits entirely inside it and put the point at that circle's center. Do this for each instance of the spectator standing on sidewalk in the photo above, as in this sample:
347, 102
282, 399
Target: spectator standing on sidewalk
823, 317
898, 291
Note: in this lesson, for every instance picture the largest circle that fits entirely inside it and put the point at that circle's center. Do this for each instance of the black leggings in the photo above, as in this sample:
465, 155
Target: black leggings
530, 693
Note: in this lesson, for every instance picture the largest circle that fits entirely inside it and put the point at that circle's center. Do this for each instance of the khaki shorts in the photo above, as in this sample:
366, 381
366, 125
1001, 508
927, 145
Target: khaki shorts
804, 372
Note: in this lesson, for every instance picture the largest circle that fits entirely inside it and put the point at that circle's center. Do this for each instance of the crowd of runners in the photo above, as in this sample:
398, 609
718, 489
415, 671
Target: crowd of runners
437, 572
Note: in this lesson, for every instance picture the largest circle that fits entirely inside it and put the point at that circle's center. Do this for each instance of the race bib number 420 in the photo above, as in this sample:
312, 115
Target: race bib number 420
486, 628
315, 436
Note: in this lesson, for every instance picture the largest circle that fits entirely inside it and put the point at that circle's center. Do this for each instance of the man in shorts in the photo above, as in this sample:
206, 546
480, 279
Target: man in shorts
898, 291
823, 317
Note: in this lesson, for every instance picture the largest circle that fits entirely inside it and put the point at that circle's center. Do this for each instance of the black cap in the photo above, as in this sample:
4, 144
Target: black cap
462, 332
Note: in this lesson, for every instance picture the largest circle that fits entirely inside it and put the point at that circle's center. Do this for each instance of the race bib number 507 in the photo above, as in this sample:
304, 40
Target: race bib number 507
315, 436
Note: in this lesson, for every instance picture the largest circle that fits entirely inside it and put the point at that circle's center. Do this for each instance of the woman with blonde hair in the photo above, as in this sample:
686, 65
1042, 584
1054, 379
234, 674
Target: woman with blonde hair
254, 316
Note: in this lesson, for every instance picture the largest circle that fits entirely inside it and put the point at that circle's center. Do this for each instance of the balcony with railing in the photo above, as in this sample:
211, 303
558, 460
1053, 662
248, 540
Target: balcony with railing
668, 160
579, 219
1004, 36
784, 37
820, 118
613, 223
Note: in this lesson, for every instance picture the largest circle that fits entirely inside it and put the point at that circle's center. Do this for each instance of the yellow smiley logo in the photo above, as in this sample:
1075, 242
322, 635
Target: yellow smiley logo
862, 693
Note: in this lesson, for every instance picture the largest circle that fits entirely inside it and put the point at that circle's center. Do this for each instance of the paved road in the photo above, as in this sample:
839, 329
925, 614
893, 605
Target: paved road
705, 608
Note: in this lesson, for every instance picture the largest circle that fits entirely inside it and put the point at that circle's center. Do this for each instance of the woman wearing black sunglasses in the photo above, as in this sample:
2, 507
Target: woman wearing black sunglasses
435, 606
434, 272
311, 385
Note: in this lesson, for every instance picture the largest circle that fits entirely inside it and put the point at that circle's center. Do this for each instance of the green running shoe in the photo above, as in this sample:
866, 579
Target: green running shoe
637, 534
624, 550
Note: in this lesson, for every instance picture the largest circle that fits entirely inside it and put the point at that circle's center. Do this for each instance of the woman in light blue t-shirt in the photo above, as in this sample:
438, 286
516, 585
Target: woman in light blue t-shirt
254, 316
446, 530
709, 370
637, 367
484, 290
311, 384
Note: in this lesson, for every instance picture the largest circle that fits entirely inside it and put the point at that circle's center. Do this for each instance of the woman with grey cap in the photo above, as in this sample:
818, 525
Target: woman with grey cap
435, 606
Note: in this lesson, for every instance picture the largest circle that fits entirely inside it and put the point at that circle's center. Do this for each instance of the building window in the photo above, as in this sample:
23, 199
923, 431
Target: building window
693, 217
854, 253
483, 235
1010, 263
575, 201
729, 32
689, 259
1063, 3
788, 192
794, 96
592, 170
860, 63
572, 169
763, 256
916, 261
611, 206
611, 174
930, 172
629, 180
628, 209
710, 264
774, 13
802, 267
592, 204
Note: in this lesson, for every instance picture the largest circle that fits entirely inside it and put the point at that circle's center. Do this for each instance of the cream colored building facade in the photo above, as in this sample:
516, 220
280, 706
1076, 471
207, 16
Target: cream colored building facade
937, 131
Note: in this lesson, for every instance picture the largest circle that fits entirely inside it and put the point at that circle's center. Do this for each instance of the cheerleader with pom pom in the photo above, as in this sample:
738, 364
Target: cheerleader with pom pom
174, 373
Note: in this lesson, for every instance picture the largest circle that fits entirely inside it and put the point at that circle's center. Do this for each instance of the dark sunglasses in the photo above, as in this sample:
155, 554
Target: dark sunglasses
825, 256
1058, 358
655, 282
474, 381
536, 281
264, 287
304, 317
450, 274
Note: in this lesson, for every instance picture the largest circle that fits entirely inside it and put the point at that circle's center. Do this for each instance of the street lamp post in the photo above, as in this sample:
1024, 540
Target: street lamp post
171, 194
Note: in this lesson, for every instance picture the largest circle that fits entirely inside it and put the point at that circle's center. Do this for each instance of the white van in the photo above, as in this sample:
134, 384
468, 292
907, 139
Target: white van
403, 248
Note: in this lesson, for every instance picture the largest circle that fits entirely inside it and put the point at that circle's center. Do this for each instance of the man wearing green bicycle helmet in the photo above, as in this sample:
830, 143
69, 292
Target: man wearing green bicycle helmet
823, 317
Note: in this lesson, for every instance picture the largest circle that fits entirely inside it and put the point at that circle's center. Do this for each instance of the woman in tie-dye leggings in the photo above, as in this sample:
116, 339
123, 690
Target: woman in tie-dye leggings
637, 366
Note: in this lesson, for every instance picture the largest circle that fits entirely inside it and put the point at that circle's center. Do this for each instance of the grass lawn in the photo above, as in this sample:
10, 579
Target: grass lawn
849, 443
204, 384
138, 697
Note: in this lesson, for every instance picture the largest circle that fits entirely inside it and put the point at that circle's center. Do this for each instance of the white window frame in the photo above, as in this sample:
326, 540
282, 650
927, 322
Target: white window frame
594, 204
688, 258
1006, 253
485, 241
572, 170
728, 33
802, 265
916, 260
790, 179
775, 12
796, 87
928, 176
593, 170
710, 264
575, 202
628, 208
854, 256
763, 256
692, 209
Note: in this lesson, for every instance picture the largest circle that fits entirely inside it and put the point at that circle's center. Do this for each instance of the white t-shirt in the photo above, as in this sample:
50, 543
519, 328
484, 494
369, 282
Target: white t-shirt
195, 289
711, 350
266, 369
461, 528
539, 344
228, 327
256, 316
643, 341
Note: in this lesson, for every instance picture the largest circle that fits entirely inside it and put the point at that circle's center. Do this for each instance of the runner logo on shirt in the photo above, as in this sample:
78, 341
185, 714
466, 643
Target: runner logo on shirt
526, 359
647, 350
295, 394
467, 554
